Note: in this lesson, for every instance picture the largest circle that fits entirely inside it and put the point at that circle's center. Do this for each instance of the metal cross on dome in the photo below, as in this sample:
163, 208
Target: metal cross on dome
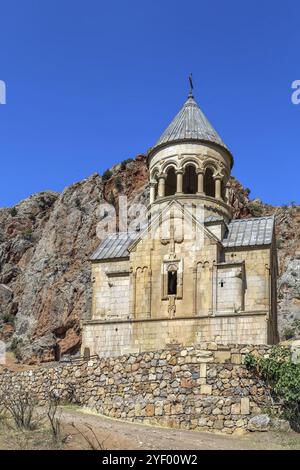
191, 84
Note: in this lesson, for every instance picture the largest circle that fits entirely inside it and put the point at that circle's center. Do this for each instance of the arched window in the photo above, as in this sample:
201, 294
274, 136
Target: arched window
209, 183
172, 282
170, 182
190, 180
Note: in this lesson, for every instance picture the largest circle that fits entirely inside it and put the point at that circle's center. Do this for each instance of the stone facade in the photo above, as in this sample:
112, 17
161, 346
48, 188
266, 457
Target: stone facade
191, 273
207, 388
124, 337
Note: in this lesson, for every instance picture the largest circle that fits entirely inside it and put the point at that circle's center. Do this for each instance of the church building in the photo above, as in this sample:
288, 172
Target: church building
191, 273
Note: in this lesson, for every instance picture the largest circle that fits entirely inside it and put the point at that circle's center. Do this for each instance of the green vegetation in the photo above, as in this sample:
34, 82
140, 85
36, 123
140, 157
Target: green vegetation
118, 183
292, 331
255, 209
13, 212
279, 243
28, 235
125, 162
111, 199
107, 175
15, 347
8, 318
78, 203
281, 370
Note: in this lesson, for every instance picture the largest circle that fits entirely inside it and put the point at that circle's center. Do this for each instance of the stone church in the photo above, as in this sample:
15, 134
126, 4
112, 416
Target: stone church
190, 273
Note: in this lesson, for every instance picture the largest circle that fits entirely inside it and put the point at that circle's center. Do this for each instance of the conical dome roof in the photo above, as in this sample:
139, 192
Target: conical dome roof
190, 124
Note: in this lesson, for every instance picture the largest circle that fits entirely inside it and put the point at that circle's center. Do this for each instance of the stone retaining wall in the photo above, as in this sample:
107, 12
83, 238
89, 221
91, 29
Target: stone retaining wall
205, 388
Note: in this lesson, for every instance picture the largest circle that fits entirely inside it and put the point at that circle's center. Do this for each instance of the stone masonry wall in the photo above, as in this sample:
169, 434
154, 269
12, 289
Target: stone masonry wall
207, 388
118, 338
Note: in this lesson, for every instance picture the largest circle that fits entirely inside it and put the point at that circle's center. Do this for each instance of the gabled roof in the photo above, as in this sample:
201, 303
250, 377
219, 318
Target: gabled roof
241, 233
190, 124
115, 245
249, 232
155, 222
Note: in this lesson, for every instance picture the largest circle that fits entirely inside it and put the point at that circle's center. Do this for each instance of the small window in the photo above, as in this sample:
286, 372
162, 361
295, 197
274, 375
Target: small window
222, 283
172, 282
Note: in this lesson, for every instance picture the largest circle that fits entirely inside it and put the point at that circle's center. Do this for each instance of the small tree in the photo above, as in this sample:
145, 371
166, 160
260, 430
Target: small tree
118, 184
282, 373
20, 406
54, 417
107, 175
125, 162
111, 199
13, 212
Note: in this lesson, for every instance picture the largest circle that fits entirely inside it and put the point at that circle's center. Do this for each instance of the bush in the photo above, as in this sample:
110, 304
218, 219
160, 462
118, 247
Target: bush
28, 235
15, 347
107, 175
292, 331
118, 184
125, 162
20, 406
255, 209
8, 318
282, 374
78, 203
111, 199
13, 212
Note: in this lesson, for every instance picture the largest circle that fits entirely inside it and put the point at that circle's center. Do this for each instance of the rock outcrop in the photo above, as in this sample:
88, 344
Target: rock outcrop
45, 245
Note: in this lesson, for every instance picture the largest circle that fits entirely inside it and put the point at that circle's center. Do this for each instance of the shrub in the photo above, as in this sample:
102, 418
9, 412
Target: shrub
13, 211
255, 209
107, 175
15, 347
28, 235
118, 184
288, 333
20, 406
125, 162
282, 374
292, 330
8, 318
111, 199
54, 417
78, 203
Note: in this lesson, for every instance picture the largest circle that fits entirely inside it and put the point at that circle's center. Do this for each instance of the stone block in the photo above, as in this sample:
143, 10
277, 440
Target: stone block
206, 389
259, 423
150, 409
236, 358
245, 406
222, 356
236, 409
203, 369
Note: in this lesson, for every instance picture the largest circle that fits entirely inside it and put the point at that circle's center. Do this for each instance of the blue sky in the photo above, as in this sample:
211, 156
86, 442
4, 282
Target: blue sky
90, 83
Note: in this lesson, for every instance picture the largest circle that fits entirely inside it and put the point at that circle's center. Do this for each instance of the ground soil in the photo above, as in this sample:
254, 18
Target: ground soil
103, 433
123, 435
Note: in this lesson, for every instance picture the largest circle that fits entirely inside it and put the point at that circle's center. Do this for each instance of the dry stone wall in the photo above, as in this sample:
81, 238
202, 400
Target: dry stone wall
205, 388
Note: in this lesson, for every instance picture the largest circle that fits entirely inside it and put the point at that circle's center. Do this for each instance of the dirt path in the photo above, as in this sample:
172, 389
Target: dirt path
123, 435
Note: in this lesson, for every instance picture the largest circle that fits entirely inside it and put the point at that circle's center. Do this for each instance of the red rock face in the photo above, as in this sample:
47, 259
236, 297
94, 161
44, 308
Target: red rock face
45, 245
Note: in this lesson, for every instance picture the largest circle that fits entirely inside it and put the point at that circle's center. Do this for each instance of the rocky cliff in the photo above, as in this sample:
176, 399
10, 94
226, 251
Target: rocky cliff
46, 241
